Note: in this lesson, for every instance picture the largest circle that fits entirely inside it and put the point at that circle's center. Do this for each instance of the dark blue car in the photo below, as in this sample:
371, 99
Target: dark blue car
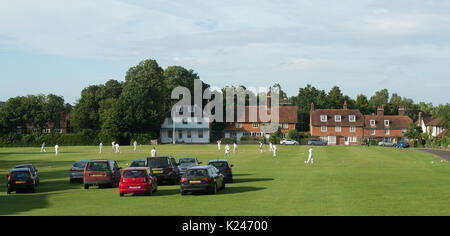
403, 145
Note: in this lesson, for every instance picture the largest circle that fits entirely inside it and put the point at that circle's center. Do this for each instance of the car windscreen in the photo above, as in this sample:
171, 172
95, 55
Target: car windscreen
134, 174
25, 166
20, 175
219, 164
79, 164
186, 160
159, 162
196, 173
97, 166
138, 164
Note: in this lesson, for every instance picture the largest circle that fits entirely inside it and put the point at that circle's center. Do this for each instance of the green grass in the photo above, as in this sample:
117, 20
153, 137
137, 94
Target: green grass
343, 181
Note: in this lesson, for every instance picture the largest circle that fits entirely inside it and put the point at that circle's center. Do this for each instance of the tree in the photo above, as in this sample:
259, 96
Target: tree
363, 104
335, 98
305, 97
379, 99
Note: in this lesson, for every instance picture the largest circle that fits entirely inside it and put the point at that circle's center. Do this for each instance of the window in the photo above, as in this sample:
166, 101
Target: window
372, 122
386, 131
169, 134
58, 131
184, 121
238, 125
386, 122
323, 118
323, 139
337, 118
337, 128
372, 131
353, 139
285, 126
404, 131
352, 129
35, 130
200, 133
352, 118
189, 134
255, 125
331, 139
180, 134
324, 128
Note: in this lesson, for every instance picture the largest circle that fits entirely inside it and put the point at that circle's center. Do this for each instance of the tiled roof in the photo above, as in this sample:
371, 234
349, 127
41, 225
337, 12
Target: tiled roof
287, 114
395, 122
330, 113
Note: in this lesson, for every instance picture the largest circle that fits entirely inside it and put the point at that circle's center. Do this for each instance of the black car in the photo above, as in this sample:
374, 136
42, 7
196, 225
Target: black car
34, 171
224, 167
21, 179
165, 168
202, 178
317, 142
187, 162
139, 163
77, 171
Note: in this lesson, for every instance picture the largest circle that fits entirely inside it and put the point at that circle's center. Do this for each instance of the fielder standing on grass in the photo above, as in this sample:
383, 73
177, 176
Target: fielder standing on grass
100, 147
153, 152
261, 147
56, 149
311, 156
218, 144
135, 145
43, 147
234, 147
274, 147
227, 150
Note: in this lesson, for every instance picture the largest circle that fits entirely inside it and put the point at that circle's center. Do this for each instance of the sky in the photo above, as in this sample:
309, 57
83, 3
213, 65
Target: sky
362, 46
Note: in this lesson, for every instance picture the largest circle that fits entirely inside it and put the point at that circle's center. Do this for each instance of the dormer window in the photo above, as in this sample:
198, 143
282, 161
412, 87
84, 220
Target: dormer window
372, 122
352, 118
323, 118
386, 122
337, 118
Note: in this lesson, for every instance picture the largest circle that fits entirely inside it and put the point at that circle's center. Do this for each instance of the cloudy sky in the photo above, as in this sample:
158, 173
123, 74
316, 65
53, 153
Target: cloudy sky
54, 46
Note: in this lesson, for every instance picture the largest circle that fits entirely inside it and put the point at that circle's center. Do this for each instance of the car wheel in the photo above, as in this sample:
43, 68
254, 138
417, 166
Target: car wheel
150, 192
86, 186
33, 190
214, 190
9, 191
122, 194
223, 186
182, 192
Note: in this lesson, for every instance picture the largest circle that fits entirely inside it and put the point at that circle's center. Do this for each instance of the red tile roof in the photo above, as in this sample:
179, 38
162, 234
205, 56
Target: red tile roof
330, 113
395, 122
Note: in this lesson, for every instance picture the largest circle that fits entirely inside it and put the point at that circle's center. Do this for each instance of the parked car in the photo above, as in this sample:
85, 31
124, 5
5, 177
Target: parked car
202, 178
101, 173
386, 144
224, 167
317, 142
21, 179
77, 171
139, 163
165, 168
288, 142
137, 180
186, 162
403, 145
33, 170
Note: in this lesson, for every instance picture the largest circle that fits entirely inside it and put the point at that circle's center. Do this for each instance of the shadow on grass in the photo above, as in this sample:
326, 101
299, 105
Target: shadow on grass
228, 190
246, 180
22, 202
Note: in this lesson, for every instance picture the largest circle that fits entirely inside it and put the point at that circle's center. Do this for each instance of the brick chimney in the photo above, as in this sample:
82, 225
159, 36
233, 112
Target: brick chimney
269, 101
380, 111
312, 106
420, 118
345, 105
401, 110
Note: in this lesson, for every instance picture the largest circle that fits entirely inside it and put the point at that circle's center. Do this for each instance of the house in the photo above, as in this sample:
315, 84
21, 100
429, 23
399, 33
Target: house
386, 127
186, 130
51, 127
247, 128
337, 126
431, 125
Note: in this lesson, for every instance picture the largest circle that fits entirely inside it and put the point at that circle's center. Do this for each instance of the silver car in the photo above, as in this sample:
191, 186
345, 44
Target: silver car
288, 142
77, 171
386, 144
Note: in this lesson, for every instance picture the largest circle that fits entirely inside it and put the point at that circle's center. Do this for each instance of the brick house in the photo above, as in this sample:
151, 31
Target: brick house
337, 126
287, 121
387, 127
64, 123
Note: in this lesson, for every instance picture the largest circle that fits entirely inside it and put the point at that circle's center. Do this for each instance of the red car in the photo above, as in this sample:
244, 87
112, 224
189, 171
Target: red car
137, 180
101, 173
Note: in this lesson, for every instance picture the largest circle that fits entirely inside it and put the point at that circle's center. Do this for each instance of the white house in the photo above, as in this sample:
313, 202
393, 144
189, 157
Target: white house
431, 125
186, 130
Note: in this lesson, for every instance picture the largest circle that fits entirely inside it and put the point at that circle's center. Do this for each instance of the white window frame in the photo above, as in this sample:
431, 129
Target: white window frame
324, 139
373, 131
337, 118
386, 122
372, 123
331, 139
338, 128
255, 125
323, 118
352, 118
352, 129
386, 131
285, 126
322, 128
238, 125
404, 131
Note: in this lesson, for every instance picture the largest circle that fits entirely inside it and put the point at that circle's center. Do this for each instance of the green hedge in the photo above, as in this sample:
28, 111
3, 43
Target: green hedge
32, 140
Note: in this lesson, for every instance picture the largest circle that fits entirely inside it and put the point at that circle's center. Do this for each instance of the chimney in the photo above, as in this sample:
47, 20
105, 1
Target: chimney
312, 106
401, 111
269, 101
380, 111
345, 105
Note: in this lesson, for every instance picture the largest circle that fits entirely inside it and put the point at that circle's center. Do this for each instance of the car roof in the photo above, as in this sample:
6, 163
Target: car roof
20, 169
99, 160
82, 161
22, 165
160, 157
187, 158
218, 160
199, 167
136, 168
139, 160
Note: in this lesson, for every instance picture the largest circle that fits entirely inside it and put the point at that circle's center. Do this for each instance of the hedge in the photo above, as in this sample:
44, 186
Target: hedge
33, 140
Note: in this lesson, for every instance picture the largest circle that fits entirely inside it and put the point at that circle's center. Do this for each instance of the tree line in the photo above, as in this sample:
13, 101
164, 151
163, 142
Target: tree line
135, 108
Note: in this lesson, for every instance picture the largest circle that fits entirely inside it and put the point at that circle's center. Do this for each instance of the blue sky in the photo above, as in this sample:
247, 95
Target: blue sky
51, 46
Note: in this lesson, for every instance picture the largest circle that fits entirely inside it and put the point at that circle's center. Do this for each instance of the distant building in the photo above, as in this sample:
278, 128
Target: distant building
431, 125
337, 126
287, 121
187, 130
64, 127
387, 127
